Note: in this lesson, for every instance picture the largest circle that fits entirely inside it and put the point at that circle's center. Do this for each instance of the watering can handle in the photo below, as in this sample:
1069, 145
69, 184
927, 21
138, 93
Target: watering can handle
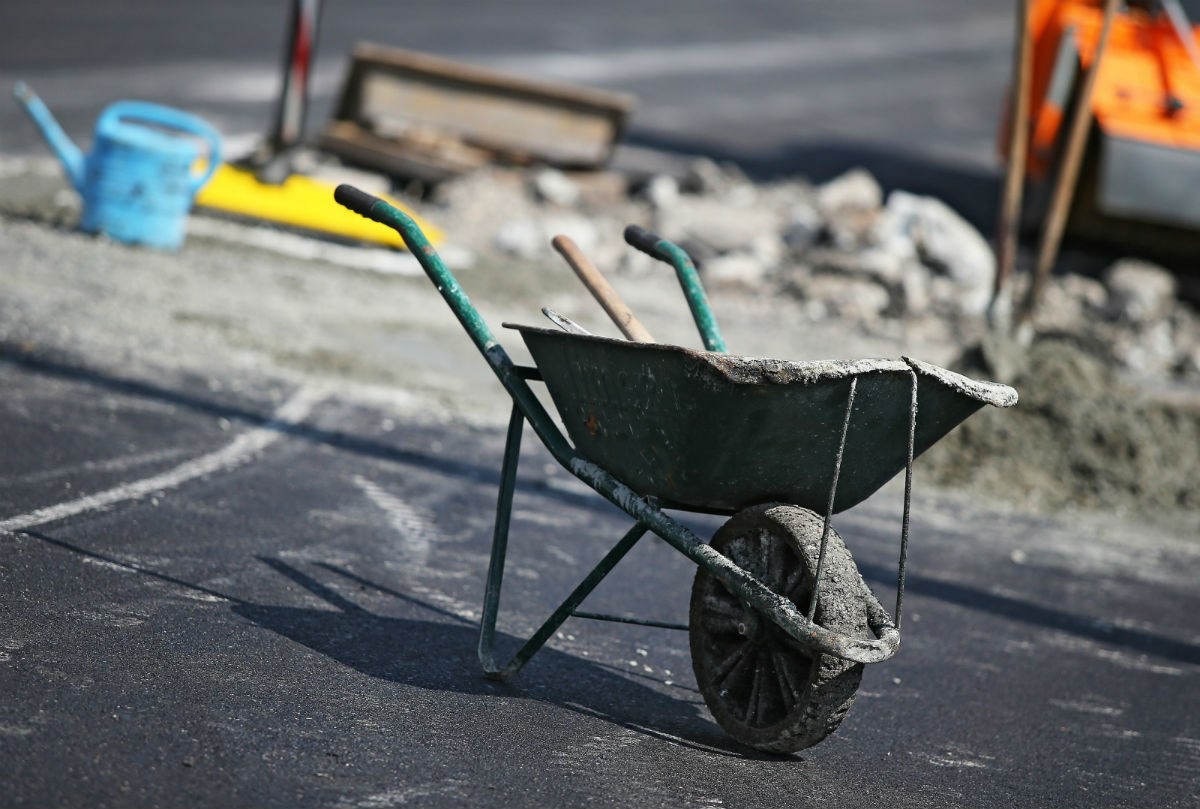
169, 118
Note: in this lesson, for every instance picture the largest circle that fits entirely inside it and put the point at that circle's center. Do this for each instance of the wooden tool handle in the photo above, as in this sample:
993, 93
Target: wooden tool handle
602, 291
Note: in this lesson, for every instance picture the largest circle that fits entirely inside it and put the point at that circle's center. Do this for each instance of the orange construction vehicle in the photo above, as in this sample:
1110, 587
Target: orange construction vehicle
1140, 175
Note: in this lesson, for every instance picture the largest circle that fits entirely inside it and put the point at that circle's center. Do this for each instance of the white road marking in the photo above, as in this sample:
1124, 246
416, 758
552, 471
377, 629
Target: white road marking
825, 50
234, 454
204, 82
413, 525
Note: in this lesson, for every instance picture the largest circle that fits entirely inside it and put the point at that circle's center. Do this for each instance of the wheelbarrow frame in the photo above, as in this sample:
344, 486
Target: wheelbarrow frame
645, 511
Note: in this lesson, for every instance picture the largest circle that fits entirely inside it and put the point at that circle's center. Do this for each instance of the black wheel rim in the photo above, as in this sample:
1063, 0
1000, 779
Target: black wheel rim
758, 674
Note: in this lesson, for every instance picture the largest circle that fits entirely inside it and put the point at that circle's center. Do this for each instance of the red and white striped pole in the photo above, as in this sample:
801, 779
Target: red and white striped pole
297, 73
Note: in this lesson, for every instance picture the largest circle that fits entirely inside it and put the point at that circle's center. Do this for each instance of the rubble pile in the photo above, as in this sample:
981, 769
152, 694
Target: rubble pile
843, 251
1085, 434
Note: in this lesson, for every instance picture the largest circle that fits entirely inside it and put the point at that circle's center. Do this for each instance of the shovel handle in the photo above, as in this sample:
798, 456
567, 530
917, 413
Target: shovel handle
602, 291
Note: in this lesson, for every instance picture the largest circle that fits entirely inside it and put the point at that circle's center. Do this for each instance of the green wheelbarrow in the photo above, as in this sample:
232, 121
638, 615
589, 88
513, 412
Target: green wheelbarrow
781, 622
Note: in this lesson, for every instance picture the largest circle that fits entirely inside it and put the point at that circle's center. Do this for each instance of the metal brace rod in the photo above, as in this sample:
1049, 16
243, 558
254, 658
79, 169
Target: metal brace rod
495, 575
837, 471
908, 479
621, 619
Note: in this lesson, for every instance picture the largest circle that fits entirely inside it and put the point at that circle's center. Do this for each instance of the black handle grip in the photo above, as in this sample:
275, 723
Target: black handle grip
358, 201
642, 239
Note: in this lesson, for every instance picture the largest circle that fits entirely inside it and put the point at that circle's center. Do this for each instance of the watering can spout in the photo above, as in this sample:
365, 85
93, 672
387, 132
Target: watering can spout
68, 153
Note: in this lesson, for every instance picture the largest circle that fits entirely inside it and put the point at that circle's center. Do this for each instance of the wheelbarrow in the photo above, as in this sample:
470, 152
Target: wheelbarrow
781, 622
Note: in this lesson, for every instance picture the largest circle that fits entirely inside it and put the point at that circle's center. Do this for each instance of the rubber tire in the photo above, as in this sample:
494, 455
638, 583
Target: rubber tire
829, 683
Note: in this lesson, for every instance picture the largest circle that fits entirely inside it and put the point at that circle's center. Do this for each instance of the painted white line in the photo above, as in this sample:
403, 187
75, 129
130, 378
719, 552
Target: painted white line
413, 525
830, 50
235, 453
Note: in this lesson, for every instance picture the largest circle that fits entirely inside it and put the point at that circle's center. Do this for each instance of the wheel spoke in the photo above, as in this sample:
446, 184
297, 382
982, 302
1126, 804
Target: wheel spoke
754, 703
739, 552
764, 570
726, 607
773, 704
724, 625
781, 565
786, 680
795, 578
730, 664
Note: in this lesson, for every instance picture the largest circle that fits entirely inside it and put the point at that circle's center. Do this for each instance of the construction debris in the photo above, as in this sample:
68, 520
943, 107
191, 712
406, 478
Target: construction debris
422, 117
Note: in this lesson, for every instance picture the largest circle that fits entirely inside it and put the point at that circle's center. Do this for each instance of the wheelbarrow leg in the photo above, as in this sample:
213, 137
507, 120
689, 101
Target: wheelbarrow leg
495, 576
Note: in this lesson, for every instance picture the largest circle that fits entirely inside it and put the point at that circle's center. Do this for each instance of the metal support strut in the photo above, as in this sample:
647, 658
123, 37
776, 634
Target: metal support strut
837, 470
495, 575
908, 479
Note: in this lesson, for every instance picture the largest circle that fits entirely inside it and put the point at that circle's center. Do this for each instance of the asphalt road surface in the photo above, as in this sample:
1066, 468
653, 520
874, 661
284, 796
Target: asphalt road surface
911, 90
269, 596
255, 589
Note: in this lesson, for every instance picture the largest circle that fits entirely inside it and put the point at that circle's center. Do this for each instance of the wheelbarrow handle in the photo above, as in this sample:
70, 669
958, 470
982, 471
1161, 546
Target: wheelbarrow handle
378, 210
358, 201
689, 280
638, 237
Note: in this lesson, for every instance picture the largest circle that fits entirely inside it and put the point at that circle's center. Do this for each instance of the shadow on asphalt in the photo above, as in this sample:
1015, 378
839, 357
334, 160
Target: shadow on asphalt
962, 595
440, 656
1027, 612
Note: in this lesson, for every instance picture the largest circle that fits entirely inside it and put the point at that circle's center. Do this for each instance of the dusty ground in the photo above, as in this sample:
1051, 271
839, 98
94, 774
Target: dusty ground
368, 324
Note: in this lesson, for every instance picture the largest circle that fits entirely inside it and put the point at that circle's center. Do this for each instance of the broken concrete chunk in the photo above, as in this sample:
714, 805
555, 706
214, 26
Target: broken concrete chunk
1149, 351
662, 191
849, 205
520, 237
720, 227
855, 190
740, 270
803, 227
706, 176
856, 299
552, 186
1071, 303
1139, 292
530, 237
947, 244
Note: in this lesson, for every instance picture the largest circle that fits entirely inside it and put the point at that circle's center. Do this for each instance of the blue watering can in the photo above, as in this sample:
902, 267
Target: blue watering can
138, 183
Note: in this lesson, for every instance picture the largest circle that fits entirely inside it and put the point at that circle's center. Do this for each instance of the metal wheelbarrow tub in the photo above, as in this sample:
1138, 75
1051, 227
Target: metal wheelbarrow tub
713, 432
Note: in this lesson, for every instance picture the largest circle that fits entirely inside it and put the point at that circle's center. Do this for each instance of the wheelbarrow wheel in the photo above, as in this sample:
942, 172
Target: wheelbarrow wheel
762, 687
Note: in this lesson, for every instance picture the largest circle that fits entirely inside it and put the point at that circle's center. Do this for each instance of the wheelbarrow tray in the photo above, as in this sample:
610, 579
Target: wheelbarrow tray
713, 432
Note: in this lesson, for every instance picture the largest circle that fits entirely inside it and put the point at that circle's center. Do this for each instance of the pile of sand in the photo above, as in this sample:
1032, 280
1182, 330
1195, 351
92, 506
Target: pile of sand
1078, 437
